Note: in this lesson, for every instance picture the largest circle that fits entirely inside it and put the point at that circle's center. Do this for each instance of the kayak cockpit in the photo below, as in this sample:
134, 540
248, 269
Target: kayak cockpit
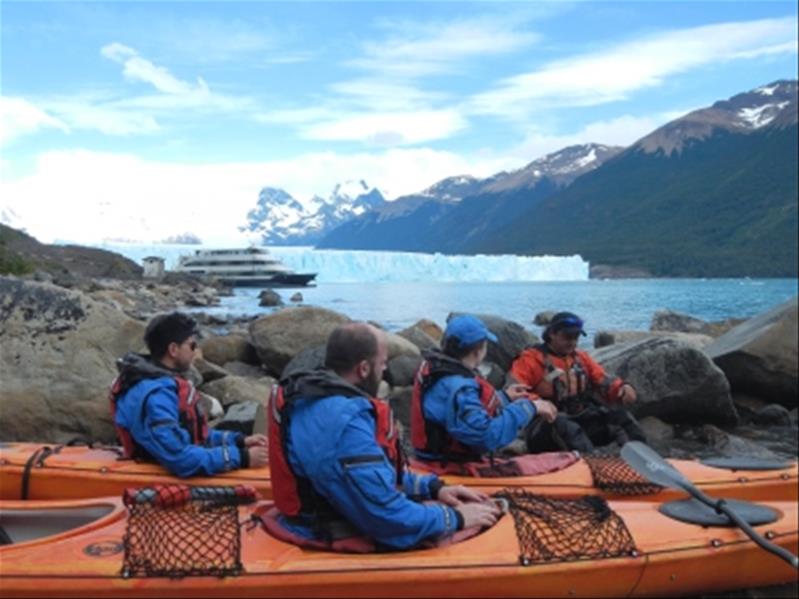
29, 524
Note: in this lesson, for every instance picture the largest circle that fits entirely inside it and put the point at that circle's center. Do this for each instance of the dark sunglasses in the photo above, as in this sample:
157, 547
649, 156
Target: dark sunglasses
193, 345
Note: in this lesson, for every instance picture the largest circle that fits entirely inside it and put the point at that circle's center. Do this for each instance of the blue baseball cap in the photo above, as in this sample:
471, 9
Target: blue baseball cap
468, 330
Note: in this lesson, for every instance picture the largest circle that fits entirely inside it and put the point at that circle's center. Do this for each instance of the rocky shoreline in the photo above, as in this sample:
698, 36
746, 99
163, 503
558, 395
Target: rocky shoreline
706, 389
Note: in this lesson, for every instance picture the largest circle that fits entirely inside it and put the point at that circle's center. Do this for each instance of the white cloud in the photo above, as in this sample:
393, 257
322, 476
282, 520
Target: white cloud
615, 73
87, 196
137, 68
389, 128
422, 48
18, 117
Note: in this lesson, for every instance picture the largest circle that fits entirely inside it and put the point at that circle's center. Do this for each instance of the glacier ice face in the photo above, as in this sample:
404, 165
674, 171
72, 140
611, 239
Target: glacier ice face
355, 266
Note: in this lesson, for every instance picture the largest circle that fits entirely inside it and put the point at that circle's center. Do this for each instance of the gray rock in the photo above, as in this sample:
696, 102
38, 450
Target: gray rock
697, 340
297, 297
57, 361
399, 346
604, 338
243, 369
668, 320
247, 418
430, 328
419, 338
310, 358
794, 416
512, 339
401, 370
400, 401
728, 445
760, 356
236, 389
773, 414
280, 336
208, 370
229, 348
657, 431
542, 319
269, 298
675, 382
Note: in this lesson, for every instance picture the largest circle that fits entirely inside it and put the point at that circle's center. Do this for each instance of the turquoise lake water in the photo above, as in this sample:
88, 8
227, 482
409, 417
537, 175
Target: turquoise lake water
604, 304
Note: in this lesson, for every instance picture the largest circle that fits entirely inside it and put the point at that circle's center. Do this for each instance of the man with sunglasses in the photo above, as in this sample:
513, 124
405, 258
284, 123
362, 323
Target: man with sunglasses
154, 408
590, 403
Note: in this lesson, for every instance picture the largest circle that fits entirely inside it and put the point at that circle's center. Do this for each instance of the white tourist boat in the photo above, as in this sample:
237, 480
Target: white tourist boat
249, 267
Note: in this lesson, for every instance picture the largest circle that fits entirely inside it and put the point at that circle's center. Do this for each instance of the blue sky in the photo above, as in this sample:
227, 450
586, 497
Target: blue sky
122, 119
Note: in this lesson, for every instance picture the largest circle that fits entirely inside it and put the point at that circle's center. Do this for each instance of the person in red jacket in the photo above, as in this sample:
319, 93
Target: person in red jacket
590, 403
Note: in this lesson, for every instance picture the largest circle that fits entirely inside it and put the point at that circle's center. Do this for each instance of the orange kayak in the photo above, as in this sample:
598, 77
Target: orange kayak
84, 548
37, 471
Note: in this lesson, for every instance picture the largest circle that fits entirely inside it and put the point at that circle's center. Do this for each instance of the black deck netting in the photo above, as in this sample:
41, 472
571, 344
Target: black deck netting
177, 530
613, 475
560, 530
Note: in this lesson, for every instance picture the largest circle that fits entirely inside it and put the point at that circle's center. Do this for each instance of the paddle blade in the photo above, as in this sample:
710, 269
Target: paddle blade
649, 464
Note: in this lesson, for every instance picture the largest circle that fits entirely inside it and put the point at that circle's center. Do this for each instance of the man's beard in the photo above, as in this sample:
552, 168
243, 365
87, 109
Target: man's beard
371, 384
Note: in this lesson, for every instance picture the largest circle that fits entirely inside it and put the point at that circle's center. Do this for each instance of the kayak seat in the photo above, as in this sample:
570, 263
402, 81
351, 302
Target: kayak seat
523, 465
345, 538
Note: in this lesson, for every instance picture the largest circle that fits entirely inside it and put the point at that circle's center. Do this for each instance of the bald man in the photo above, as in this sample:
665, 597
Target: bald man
335, 459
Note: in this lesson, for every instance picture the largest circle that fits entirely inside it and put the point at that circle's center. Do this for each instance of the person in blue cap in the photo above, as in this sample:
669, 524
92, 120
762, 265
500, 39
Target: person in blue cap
590, 402
456, 415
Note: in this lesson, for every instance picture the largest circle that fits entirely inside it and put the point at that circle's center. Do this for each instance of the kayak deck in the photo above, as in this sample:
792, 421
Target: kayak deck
672, 558
37, 471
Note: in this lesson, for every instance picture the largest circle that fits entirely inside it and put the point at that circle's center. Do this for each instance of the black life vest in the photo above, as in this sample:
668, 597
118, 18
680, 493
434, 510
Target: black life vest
295, 495
430, 437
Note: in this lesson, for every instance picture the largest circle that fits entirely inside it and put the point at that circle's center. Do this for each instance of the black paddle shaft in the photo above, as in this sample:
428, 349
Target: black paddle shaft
649, 464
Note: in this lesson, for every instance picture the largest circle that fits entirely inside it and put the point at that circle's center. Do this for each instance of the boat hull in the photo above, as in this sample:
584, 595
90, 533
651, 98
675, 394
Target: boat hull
280, 280
82, 472
673, 558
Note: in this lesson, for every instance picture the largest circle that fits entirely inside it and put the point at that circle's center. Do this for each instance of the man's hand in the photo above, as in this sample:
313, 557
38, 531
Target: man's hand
259, 456
255, 440
479, 514
455, 495
518, 391
627, 394
545, 409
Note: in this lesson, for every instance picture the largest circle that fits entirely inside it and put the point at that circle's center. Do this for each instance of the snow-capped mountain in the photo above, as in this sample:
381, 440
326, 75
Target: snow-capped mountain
561, 167
448, 214
280, 219
774, 104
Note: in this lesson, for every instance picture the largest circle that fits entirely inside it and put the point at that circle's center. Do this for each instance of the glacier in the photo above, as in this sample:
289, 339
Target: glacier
361, 266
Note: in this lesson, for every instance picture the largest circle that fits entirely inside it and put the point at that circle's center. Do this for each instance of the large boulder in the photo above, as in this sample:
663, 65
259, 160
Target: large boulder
675, 322
237, 389
759, 356
429, 328
697, 340
310, 358
57, 361
401, 370
229, 348
399, 346
419, 338
512, 339
280, 336
675, 381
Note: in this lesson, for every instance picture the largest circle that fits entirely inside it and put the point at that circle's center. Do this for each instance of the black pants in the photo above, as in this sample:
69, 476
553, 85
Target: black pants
593, 426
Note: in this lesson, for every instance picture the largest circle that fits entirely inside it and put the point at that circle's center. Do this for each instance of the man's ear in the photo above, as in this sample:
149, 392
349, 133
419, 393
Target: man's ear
364, 369
172, 350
